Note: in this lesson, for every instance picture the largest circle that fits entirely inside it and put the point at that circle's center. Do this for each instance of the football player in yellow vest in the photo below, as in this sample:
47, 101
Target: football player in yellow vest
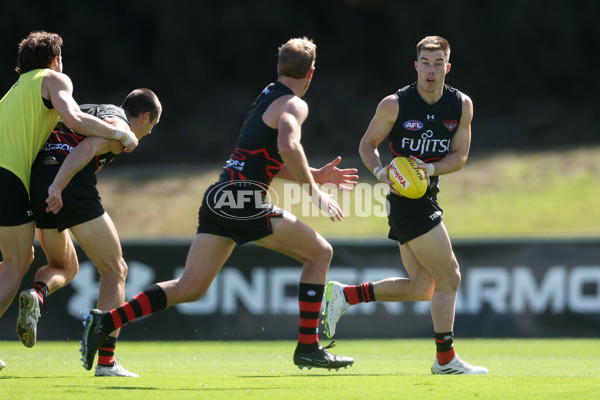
28, 113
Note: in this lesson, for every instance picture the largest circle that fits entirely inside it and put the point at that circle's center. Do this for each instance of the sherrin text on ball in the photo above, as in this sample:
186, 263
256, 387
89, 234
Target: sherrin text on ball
408, 179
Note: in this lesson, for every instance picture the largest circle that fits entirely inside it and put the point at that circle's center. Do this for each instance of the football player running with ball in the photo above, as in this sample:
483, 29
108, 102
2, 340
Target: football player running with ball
430, 122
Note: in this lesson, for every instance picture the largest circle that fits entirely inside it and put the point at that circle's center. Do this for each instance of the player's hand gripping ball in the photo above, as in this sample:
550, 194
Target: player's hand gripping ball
408, 179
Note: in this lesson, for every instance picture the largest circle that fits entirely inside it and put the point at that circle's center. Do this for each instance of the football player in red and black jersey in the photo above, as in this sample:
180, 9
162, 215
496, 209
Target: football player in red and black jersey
429, 122
64, 196
234, 210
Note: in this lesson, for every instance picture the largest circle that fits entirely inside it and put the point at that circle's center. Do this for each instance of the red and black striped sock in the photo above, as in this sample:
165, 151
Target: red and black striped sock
106, 352
310, 297
362, 293
147, 302
41, 289
444, 343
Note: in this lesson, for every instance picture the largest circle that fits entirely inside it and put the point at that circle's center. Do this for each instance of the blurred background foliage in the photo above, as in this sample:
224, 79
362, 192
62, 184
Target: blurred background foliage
530, 67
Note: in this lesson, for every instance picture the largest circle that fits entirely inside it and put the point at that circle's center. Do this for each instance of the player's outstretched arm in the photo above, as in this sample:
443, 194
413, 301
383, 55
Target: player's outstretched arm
344, 179
293, 114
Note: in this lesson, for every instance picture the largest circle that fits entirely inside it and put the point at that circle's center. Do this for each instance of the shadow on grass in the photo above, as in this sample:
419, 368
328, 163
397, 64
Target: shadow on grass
319, 375
171, 389
34, 377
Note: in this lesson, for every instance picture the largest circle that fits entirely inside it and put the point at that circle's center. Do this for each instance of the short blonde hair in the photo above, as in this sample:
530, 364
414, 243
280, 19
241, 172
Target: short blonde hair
296, 57
434, 43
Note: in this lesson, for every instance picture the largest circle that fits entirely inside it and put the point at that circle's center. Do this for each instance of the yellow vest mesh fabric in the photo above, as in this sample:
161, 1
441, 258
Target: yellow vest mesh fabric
25, 124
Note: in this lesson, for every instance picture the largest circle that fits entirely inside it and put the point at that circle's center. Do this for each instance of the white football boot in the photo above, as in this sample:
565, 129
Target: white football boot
457, 366
29, 313
335, 306
116, 369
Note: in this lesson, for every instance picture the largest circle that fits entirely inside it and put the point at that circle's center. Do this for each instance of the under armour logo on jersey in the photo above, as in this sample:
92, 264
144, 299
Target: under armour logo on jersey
430, 117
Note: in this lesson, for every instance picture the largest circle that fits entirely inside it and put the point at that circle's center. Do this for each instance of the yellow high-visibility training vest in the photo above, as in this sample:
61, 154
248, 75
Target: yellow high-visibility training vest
25, 124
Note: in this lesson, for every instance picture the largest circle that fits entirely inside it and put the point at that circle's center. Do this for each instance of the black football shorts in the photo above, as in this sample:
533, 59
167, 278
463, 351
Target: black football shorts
411, 218
81, 201
15, 207
238, 212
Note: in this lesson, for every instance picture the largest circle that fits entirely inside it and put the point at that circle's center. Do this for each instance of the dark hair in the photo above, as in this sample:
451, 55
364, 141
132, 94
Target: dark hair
38, 50
296, 57
140, 101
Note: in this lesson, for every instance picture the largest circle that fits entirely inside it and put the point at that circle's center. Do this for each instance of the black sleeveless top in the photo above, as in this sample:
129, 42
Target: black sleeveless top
63, 139
424, 130
256, 156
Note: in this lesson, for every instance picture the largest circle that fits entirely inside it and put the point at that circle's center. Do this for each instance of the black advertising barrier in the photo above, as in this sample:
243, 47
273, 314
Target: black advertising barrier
510, 288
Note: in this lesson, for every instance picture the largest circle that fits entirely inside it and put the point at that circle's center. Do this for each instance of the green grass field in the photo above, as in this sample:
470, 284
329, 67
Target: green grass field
384, 369
507, 195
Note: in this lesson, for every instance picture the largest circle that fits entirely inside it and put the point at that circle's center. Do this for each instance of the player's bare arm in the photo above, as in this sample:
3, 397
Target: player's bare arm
79, 157
344, 179
293, 113
379, 129
58, 88
456, 159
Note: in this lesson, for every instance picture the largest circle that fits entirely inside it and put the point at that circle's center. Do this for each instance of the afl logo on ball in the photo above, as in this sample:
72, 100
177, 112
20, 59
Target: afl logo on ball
413, 125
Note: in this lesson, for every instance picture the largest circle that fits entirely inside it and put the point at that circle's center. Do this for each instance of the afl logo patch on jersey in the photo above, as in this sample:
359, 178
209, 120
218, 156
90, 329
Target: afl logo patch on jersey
413, 125
450, 124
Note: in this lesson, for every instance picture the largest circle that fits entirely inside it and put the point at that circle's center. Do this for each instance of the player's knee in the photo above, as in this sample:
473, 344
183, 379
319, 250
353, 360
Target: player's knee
448, 280
20, 265
71, 271
115, 269
23, 260
323, 253
31, 256
453, 279
328, 252
123, 269
21, 270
